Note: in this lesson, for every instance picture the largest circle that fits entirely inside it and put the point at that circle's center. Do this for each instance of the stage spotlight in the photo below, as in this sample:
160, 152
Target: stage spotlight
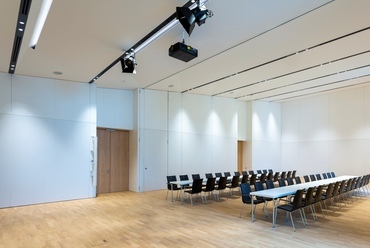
128, 64
186, 18
201, 14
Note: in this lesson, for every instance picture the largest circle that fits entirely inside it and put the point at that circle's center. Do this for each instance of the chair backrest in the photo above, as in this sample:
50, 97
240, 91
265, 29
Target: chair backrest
251, 172
318, 195
265, 171
195, 176
282, 182
283, 174
324, 176
313, 178
289, 174
336, 188
218, 174
294, 173
309, 196
227, 174
184, 177
245, 188
270, 184
290, 181
276, 176
259, 172
237, 173
171, 179
270, 170
253, 179
197, 186
258, 186
235, 182
209, 175
222, 183
245, 178
342, 185
329, 191
244, 173
306, 178
329, 175
210, 186
297, 201
332, 174
318, 177
270, 176
263, 177
297, 180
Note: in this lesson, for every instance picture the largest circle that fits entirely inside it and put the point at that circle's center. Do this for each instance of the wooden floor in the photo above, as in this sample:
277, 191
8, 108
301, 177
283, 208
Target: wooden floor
131, 219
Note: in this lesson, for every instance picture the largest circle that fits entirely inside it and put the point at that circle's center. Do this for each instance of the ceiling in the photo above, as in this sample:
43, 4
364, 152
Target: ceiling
249, 50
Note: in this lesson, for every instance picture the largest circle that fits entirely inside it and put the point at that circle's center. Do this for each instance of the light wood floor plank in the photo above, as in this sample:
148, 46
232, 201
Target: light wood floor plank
129, 219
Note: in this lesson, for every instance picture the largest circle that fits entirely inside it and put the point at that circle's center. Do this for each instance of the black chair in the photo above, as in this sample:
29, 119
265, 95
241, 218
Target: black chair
324, 176
318, 177
270, 176
195, 176
185, 178
295, 206
259, 171
209, 175
170, 186
258, 186
318, 198
245, 190
328, 194
335, 193
289, 174
290, 181
210, 187
218, 174
329, 175
251, 172
306, 178
282, 182
263, 177
294, 174
283, 174
332, 174
270, 184
244, 173
196, 189
237, 173
313, 178
265, 171
270, 170
245, 179
253, 179
308, 202
234, 184
276, 176
227, 174
221, 186
297, 180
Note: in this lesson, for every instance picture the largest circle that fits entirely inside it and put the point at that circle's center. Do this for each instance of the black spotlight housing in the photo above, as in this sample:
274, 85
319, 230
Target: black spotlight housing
186, 18
200, 15
128, 64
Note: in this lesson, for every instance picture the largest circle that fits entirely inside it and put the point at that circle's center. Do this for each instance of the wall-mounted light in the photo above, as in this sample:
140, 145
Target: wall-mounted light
44, 11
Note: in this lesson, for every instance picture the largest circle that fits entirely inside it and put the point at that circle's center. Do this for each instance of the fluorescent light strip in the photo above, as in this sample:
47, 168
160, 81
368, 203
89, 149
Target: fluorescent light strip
45, 7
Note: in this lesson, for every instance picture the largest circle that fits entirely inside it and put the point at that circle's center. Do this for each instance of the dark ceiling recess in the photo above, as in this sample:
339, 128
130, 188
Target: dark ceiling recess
24, 9
154, 31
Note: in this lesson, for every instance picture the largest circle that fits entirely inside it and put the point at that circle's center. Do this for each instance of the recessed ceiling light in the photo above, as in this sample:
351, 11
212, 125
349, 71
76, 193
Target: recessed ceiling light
21, 23
58, 73
20, 29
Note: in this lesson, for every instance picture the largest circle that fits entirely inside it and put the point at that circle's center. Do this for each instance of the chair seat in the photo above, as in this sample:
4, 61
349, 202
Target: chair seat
286, 207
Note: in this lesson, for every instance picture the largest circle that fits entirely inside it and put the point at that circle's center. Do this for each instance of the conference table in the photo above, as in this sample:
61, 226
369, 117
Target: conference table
285, 191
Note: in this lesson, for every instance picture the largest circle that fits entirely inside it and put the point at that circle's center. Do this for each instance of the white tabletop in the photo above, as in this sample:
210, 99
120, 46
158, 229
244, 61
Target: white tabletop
291, 189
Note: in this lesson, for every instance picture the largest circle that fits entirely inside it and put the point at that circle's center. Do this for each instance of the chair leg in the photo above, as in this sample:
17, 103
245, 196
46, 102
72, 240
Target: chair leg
291, 218
241, 211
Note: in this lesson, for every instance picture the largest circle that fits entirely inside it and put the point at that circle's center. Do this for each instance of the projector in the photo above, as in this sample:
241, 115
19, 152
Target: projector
182, 52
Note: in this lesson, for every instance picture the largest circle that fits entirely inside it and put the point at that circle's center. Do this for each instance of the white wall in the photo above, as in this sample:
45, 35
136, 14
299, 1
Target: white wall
329, 132
45, 140
265, 143
115, 108
185, 134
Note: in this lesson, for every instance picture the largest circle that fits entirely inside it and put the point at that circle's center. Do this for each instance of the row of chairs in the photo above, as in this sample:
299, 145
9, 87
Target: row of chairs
332, 193
313, 177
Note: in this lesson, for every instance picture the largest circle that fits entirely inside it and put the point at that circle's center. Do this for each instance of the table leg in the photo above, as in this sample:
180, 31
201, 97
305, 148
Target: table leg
273, 212
252, 208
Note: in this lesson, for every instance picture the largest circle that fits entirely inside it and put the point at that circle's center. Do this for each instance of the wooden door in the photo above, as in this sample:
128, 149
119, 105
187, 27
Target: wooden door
240, 156
113, 162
